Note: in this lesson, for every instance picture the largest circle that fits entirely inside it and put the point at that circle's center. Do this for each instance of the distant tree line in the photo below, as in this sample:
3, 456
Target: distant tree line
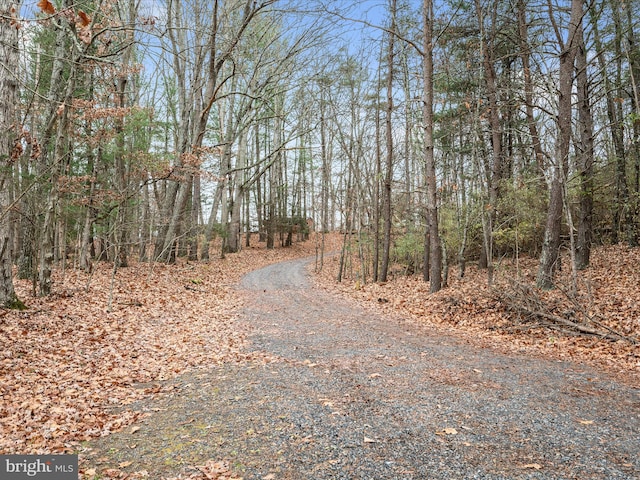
452, 132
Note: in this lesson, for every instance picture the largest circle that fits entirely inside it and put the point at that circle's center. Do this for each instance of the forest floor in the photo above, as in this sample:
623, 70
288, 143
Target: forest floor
101, 355
513, 316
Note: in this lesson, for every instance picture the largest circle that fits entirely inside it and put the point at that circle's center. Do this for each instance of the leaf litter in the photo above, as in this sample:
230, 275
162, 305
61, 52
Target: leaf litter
608, 293
73, 363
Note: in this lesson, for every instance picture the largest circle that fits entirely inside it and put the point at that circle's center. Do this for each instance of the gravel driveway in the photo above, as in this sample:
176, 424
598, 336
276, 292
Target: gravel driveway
343, 393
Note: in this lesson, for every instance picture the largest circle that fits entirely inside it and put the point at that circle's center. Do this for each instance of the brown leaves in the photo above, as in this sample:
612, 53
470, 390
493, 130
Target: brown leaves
610, 296
68, 366
15, 23
81, 20
47, 7
84, 31
84, 20
217, 470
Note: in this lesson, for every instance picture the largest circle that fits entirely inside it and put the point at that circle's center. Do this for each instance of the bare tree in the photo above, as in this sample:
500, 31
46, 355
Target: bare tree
388, 170
9, 135
433, 233
229, 24
487, 43
568, 50
584, 157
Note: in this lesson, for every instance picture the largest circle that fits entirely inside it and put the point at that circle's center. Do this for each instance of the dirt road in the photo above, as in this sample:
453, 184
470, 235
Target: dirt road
343, 393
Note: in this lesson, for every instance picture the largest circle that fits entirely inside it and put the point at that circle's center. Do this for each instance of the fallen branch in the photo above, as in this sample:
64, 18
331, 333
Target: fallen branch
526, 302
577, 326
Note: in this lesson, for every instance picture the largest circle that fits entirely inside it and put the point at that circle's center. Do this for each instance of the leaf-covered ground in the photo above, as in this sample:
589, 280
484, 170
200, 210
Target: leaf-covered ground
608, 293
73, 363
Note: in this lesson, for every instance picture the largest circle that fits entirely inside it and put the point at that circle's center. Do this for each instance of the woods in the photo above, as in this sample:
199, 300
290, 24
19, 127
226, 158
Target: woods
446, 133
464, 169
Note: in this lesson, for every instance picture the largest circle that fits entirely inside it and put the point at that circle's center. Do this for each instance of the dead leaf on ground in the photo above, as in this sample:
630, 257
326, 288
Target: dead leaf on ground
94, 357
467, 307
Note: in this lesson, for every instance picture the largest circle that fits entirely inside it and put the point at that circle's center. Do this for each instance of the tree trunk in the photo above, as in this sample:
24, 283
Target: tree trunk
275, 177
584, 159
434, 243
634, 65
486, 47
525, 54
8, 136
551, 243
145, 225
326, 170
235, 222
122, 176
623, 221
167, 251
376, 181
195, 216
60, 93
388, 176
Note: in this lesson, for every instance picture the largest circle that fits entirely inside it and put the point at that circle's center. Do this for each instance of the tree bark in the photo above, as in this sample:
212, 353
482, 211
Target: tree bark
8, 136
434, 243
622, 218
233, 234
486, 47
388, 176
584, 159
525, 55
59, 98
551, 243
634, 69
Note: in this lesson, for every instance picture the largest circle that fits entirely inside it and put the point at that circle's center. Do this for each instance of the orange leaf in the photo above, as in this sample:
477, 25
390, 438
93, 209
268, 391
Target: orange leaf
84, 19
47, 7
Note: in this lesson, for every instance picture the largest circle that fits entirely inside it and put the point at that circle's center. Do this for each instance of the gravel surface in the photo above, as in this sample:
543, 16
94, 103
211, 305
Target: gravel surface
338, 392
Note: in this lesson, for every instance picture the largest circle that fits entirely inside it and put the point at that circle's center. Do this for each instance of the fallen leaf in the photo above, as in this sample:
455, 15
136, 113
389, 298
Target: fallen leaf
135, 429
112, 472
124, 464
